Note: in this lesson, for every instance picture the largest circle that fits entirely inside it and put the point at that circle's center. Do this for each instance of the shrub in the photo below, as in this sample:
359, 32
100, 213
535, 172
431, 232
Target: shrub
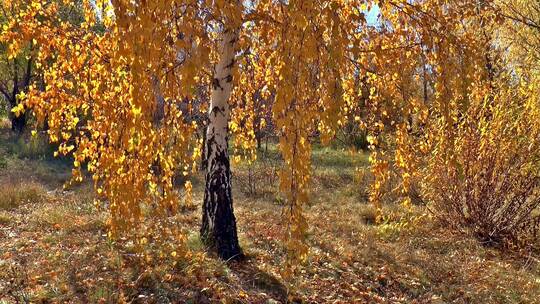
258, 178
485, 178
352, 136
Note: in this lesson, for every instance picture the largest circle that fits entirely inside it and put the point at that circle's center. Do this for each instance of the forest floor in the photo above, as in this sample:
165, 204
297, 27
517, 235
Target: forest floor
54, 246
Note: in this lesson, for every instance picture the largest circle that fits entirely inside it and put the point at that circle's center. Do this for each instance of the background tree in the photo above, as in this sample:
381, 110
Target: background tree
16, 66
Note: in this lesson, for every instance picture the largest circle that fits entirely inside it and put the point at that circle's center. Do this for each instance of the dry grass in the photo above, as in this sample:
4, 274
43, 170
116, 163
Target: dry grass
16, 194
5, 218
56, 250
5, 123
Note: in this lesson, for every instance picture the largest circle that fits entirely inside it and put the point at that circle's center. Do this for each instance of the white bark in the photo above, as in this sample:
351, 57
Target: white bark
221, 91
219, 224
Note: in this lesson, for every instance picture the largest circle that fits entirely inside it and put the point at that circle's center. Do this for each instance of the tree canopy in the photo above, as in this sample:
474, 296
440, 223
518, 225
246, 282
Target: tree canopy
432, 76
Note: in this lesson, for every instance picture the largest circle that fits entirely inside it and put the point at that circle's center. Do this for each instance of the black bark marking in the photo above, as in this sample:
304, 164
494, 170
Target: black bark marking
218, 230
216, 84
228, 78
230, 65
216, 110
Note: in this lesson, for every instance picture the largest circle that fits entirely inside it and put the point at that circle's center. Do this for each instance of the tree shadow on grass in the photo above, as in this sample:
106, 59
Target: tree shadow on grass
258, 281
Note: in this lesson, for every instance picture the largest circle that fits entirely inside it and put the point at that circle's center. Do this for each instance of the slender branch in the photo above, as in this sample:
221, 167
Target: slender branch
522, 21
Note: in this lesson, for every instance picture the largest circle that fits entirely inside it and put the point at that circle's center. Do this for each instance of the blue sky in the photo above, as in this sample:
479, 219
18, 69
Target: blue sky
372, 14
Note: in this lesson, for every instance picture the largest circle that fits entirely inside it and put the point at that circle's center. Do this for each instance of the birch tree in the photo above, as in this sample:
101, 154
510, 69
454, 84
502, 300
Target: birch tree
218, 222
100, 102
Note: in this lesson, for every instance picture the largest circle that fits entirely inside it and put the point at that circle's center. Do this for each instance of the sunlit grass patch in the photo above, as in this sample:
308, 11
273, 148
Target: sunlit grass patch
5, 218
70, 212
338, 159
194, 242
68, 218
12, 195
57, 216
5, 123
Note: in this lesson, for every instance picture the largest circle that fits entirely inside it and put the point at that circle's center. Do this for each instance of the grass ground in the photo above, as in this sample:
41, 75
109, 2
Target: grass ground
54, 247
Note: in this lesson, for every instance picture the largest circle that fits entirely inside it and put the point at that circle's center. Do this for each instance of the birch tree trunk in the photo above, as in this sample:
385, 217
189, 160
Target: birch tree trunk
218, 230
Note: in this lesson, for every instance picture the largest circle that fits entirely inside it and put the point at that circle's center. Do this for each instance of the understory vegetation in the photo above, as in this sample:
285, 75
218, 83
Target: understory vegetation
54, 245
263, 151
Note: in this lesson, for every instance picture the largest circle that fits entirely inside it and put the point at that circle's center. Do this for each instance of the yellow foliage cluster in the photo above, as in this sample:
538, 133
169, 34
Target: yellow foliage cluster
98, 103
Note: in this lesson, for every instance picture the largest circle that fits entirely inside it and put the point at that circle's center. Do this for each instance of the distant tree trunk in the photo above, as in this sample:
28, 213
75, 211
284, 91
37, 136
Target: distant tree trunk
18, 123
218, 230
258, 138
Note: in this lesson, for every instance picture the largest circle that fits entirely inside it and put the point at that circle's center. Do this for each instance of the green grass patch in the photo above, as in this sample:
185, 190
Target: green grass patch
33, 147
194, 242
